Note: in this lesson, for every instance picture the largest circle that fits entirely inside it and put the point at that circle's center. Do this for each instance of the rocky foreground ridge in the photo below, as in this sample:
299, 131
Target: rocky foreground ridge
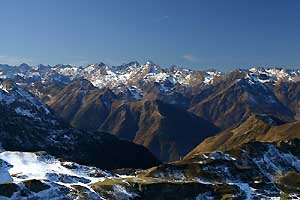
252, 171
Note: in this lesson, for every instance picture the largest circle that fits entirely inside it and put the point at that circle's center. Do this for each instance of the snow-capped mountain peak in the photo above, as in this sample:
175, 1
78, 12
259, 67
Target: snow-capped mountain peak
150, 63
273, 75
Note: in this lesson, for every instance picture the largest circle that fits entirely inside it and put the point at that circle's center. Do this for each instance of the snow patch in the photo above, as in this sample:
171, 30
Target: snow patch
24, 112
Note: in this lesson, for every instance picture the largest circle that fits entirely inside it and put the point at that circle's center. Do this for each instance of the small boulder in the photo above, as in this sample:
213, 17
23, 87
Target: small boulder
35, 185
8, 189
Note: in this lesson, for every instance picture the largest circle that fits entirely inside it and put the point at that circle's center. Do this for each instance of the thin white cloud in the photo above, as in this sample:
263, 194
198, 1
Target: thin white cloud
162, 19
165, 17
190, 57
14, 60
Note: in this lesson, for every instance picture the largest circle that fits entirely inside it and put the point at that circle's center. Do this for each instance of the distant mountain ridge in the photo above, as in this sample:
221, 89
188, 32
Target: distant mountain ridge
134, 80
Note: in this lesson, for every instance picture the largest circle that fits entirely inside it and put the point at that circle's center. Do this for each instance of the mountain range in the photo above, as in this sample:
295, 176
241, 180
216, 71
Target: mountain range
115, 99
232, 135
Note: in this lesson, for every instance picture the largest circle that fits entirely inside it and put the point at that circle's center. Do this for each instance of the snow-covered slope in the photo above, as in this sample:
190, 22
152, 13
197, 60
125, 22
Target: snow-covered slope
22, 102
26, 166
254, 171
38, 175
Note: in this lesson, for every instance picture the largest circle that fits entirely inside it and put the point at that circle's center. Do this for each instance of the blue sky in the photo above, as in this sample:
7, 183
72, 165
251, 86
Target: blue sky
221, 34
